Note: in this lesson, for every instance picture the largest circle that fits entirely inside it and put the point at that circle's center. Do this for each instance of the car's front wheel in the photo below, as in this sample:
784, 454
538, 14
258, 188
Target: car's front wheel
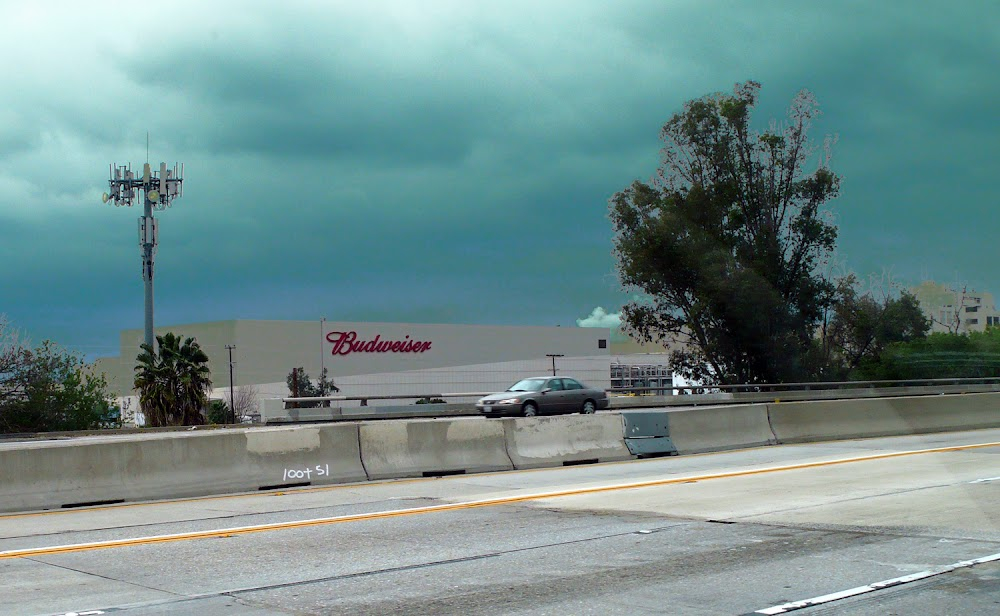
529, 409
589, 408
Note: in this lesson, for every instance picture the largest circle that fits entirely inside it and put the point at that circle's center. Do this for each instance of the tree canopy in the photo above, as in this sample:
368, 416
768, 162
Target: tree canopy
48, 388
939, 356
863, 326
301, 386
723, 247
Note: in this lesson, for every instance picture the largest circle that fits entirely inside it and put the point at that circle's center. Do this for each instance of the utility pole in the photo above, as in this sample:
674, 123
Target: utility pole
322, 356
554, 356
158, 191
232, 397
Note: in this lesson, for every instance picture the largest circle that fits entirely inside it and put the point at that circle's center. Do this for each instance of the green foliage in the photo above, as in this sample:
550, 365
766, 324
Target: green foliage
218, 412
173, 381
939, 356
300, 386
431, 401
724, 246
862, 327
50, 389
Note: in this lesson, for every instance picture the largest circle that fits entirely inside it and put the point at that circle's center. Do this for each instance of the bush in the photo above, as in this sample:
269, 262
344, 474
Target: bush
50, 389
218, 413
939, 356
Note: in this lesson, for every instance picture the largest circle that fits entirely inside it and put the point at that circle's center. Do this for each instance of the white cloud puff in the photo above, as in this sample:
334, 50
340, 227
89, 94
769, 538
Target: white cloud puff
601, 318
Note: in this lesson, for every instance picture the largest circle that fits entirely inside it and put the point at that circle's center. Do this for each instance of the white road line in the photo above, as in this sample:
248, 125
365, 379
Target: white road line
860, 590
986, 480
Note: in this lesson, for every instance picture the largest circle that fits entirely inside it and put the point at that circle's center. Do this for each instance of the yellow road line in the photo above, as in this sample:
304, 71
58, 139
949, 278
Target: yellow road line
489, 502
340, 486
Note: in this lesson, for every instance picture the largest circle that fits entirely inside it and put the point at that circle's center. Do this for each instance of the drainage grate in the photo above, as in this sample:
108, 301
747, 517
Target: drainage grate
94, 503
282, 486
443, 473
578, 462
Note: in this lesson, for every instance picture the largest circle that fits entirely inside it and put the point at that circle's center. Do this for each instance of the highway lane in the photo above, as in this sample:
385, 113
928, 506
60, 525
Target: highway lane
725, 533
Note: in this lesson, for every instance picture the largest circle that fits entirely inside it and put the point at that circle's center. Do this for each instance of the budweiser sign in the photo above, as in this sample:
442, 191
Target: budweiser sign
345, 343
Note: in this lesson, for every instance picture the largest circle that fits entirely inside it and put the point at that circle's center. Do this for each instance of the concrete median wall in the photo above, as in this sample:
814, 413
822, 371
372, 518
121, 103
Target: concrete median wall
157, 465
720, 427
413, 448
56, 474
535, 442
318, 455
796, 422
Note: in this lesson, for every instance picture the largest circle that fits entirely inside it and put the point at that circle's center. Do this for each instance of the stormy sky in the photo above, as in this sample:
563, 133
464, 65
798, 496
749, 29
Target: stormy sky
451, 162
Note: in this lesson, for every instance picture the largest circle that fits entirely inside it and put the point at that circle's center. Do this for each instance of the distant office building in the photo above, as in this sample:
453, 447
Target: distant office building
956, 310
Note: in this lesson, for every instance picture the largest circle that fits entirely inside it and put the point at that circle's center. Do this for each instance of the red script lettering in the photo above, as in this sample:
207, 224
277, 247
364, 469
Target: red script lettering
345, 343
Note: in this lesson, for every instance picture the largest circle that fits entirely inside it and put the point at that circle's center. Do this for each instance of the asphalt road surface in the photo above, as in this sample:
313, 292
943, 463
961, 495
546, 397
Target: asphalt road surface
906, 525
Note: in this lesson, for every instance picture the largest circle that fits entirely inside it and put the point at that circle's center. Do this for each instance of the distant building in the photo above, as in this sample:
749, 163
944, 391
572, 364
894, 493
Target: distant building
397, 359
956, 310
379, 358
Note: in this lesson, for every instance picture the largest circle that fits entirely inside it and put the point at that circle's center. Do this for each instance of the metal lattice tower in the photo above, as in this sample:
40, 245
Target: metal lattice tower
158, 190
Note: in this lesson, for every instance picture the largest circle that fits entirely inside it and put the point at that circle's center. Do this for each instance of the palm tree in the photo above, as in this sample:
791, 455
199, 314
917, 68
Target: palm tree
173, 384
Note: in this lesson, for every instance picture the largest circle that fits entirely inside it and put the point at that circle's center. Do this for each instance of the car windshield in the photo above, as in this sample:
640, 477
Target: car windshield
527, 385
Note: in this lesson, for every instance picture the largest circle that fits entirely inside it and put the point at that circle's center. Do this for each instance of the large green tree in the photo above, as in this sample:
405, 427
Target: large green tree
723, 247
173, 381
48, 388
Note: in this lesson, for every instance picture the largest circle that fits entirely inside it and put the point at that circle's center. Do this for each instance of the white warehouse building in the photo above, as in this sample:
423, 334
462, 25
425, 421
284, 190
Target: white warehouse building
379, 359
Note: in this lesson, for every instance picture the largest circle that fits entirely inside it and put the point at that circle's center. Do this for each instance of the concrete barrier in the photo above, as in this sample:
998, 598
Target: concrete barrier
54, 474
419, 447
316, 455
57, 474
157, 465
797, 422
716, 428
534, 442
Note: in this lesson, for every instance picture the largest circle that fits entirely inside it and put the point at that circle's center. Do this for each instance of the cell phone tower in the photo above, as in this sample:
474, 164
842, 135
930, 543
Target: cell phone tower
159, 189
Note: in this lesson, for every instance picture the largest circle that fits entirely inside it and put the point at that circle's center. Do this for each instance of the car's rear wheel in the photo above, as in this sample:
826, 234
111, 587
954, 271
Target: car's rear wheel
589, 408
529, 409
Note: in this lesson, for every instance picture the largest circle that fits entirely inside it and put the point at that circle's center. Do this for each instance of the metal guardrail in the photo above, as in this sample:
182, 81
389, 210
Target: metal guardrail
364, 399
817, 385
784, 392
739, 388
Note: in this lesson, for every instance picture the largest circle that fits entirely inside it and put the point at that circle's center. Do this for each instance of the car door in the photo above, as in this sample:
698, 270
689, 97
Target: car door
554, 400
575, 394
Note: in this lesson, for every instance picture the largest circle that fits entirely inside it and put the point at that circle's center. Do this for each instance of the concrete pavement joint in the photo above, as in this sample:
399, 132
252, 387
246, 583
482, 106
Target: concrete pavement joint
234, 593
847, 500
225, 514
103, 577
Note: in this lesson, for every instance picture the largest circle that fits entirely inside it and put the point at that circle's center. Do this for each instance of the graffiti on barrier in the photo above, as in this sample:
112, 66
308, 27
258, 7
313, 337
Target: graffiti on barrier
321, 470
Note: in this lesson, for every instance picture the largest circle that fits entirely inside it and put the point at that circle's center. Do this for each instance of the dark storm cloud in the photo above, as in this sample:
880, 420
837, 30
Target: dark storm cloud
402, 160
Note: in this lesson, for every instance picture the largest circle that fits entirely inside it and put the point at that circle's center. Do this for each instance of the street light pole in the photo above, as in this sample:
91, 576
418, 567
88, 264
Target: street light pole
232, 397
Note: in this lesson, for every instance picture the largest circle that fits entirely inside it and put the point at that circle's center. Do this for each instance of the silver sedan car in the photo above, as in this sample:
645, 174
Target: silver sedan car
544, 395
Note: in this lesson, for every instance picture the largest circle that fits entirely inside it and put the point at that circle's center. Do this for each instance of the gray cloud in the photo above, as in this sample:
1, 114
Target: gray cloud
398, 160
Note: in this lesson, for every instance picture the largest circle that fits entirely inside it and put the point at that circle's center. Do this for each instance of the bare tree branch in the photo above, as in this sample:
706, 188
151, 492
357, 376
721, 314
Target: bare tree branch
245, 402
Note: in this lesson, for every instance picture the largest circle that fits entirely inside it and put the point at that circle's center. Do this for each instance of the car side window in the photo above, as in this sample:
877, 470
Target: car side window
555, 384
572, 384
